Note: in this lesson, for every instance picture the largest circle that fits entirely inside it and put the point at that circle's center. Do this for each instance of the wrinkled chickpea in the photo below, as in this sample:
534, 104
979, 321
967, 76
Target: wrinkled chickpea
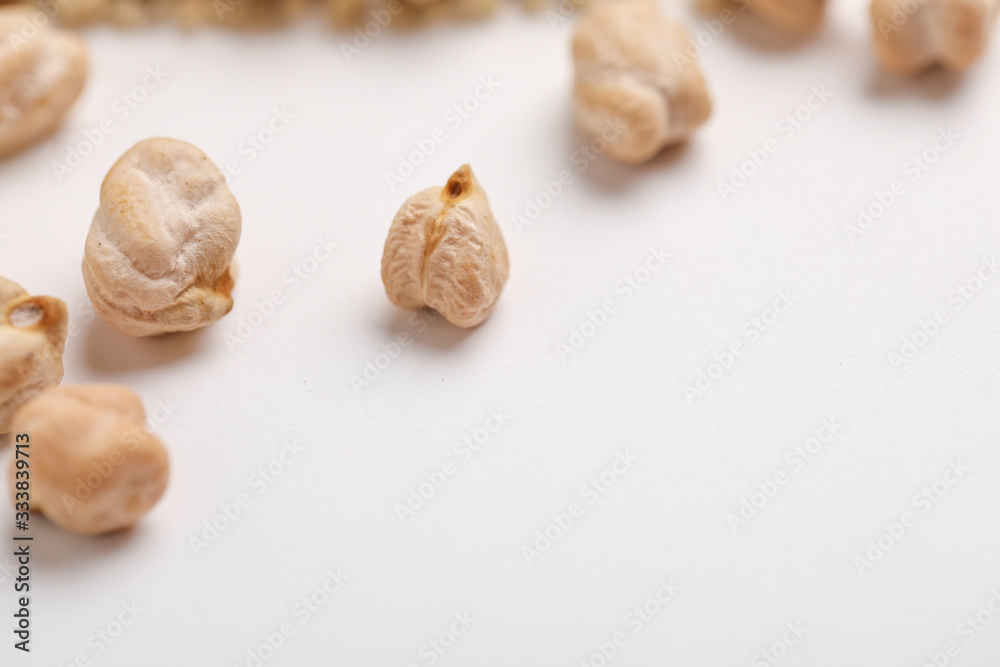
95, 467
159, 253
912, 36
445, 251
32, 338
42, 72
637, 87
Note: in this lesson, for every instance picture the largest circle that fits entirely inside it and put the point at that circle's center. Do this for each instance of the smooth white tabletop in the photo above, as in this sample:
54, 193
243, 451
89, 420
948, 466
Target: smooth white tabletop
318, 388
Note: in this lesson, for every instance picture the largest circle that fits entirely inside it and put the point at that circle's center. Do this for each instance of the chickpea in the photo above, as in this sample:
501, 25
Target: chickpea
445, 251
32, 338
94, 466
637, 88
914, 35
159, 254
42, 72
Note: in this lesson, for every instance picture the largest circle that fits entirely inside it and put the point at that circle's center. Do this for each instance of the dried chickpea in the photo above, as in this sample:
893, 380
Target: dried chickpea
32, 338
913, 36
42, 72
445, 251
159, 253
636, 80
95, 467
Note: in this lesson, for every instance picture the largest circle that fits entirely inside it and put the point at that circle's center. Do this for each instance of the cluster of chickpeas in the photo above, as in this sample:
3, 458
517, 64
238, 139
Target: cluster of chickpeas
159, 254
262, 13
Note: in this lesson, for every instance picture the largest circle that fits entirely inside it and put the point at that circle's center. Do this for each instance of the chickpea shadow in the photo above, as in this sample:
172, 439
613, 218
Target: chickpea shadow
54, 547
440, 334
937, 83
107, 350
613, 177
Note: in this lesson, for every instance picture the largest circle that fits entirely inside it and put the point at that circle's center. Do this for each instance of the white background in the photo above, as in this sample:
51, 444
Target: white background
623, 391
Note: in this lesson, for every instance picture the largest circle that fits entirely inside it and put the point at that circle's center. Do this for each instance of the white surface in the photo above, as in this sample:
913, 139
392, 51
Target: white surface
623, 391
